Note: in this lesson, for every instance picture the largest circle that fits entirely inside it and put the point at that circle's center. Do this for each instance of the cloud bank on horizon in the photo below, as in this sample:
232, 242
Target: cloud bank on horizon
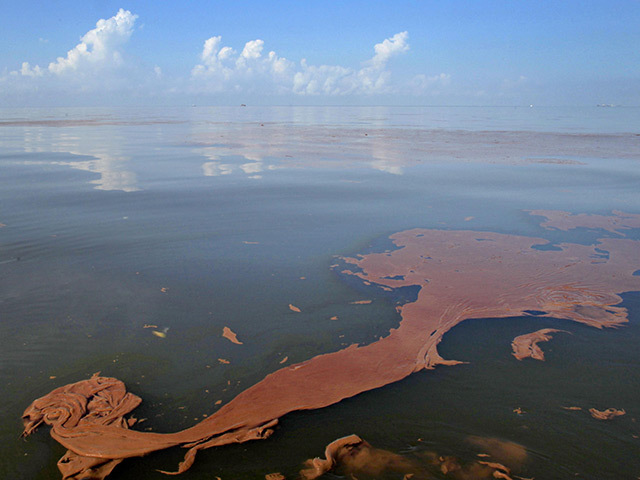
99, 62
467, 54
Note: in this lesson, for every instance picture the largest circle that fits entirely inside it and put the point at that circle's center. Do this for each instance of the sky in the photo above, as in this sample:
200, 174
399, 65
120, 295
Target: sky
205, 52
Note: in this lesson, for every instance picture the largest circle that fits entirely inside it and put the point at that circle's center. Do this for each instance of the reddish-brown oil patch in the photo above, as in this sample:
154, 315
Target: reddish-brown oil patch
607, 414
230, 335
526, 346
353, 457
274, 476
461, 275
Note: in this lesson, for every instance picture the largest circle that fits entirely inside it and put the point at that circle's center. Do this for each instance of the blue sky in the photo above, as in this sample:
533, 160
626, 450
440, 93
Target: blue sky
317, 52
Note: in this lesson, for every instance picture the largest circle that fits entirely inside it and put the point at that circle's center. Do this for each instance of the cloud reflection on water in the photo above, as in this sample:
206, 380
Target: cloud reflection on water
256, 148
225, 143
102, 156
259, 147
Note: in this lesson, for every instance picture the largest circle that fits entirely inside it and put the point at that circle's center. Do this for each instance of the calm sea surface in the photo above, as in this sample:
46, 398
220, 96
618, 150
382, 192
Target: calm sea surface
192, 219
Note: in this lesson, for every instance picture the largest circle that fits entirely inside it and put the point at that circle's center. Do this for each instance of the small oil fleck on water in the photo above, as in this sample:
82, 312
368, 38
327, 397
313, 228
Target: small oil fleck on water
196, 219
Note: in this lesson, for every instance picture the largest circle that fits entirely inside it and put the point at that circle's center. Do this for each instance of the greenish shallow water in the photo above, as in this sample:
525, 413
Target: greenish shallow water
226, 210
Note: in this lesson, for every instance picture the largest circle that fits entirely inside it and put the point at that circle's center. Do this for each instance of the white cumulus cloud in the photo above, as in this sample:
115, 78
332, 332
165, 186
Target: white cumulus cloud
28, 71
323, 79
99, 63
252, 49
372, 78
223, 70
99, 47
390, 47
96, 63
99, 50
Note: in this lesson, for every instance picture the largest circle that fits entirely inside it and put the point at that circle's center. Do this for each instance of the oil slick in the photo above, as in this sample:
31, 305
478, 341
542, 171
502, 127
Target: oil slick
526, 346
230, 335
458, 278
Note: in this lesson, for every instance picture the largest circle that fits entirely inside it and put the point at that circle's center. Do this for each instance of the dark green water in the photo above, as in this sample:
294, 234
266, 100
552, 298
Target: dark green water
226, 210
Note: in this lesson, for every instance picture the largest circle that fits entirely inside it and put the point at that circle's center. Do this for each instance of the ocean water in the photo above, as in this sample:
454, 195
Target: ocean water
193, 219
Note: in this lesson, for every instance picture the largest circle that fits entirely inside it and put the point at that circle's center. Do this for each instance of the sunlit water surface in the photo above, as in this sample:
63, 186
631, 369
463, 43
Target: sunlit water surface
198, 218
